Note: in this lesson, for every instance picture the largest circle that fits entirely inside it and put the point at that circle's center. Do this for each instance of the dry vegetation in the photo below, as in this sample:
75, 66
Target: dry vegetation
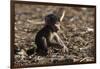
77, 33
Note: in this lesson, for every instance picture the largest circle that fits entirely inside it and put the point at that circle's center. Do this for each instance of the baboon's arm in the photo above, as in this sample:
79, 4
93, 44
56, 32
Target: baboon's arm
52, 43
58, 39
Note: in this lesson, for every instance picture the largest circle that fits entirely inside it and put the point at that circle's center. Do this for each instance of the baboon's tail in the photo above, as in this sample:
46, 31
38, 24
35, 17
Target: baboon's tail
30, 51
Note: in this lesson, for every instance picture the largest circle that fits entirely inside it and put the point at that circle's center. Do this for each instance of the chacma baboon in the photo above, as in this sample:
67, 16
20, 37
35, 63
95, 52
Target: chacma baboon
47, 34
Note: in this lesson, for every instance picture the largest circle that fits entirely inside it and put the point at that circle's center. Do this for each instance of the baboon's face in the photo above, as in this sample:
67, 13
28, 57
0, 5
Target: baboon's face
56, 27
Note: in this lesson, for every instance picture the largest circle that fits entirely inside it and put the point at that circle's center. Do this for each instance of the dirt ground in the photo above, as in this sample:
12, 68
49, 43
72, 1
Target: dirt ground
77, 32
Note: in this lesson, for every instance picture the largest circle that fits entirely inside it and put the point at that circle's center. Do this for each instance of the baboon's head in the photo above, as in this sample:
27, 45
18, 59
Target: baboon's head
53, 21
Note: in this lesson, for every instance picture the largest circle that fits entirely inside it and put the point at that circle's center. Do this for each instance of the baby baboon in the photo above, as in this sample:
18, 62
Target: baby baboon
47, 34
